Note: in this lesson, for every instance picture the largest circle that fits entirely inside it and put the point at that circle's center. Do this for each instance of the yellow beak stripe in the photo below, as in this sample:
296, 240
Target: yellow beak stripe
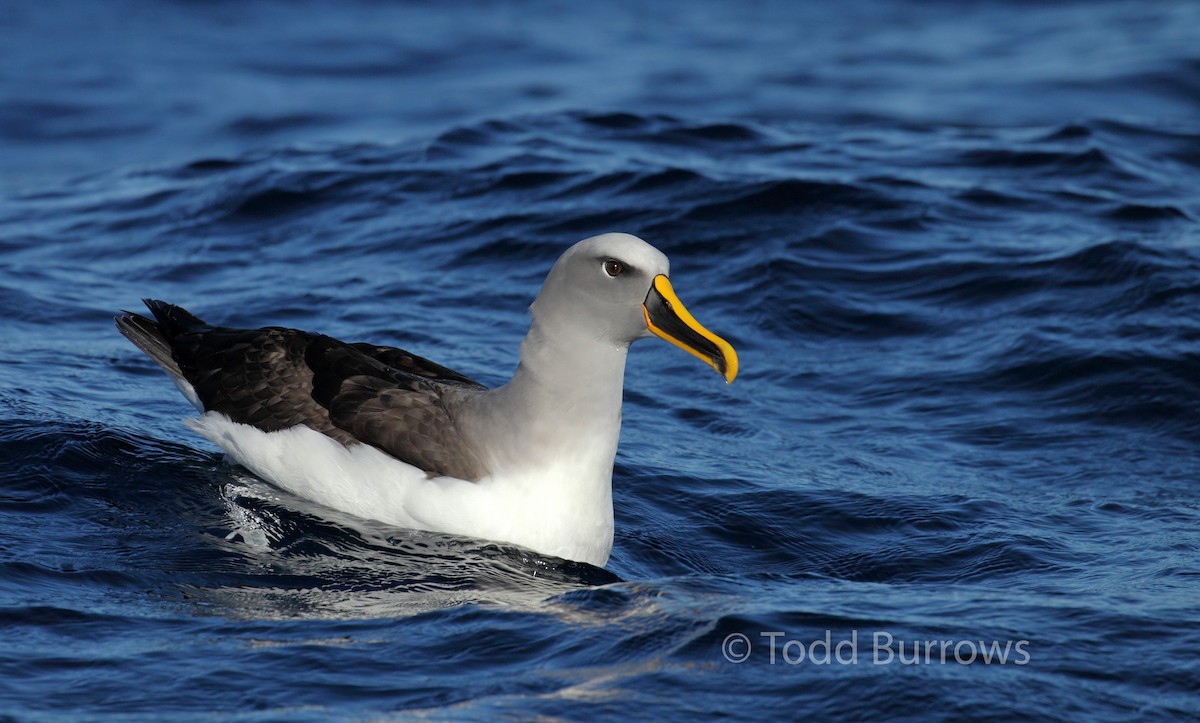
671, 321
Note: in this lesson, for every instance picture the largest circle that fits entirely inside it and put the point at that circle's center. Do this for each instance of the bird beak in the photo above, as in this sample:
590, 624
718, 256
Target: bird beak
668, 318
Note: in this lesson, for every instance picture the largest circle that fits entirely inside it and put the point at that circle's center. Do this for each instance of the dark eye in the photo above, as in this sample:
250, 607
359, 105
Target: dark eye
613, 268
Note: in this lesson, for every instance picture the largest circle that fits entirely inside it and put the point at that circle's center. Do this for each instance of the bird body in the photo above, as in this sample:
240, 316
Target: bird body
384, 434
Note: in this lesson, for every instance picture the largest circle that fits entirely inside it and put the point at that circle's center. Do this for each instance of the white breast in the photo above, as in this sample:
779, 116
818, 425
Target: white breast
563, 508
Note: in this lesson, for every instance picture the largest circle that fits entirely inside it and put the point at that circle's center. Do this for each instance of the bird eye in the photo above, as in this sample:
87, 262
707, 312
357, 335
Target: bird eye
613, 268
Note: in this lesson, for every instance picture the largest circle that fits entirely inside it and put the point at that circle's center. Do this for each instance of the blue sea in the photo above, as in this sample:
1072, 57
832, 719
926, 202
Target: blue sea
957, 246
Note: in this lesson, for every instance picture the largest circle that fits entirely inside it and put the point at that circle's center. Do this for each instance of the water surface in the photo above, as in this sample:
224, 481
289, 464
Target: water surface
955, 246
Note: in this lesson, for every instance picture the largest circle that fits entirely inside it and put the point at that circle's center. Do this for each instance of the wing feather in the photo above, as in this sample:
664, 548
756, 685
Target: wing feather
275, 378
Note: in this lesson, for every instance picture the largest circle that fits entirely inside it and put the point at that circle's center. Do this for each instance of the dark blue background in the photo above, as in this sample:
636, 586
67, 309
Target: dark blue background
955, 244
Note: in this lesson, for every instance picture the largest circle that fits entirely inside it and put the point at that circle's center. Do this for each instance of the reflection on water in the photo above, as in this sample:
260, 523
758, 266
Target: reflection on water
345, 567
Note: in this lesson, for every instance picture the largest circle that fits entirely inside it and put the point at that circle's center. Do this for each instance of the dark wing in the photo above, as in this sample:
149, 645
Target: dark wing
275, 378
402, 361
406, 410
254, 376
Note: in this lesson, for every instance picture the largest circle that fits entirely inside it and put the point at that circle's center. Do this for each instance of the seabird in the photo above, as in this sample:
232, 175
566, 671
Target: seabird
384, 434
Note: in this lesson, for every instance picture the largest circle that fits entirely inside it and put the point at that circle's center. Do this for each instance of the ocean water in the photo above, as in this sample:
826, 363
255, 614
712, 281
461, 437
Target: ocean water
955, 244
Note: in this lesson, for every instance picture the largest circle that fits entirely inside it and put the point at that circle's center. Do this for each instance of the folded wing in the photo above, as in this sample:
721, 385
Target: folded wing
276, 378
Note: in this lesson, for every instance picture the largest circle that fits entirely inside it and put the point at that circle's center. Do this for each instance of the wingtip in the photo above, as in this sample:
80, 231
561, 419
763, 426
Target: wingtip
124, 319
153, 304
173, 319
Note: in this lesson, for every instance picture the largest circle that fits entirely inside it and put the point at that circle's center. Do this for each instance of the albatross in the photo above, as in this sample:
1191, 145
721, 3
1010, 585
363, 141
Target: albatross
383, 434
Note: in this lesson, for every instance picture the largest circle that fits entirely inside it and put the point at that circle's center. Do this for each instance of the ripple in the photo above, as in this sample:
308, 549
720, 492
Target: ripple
790, 197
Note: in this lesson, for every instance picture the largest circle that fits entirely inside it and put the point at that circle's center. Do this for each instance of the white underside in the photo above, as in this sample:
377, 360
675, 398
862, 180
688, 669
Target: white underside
563, 510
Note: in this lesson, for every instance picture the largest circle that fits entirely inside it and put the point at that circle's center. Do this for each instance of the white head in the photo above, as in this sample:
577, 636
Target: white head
614, 288
598, 286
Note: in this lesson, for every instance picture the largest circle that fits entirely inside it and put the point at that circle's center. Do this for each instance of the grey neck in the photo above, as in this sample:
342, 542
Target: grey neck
564, 399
